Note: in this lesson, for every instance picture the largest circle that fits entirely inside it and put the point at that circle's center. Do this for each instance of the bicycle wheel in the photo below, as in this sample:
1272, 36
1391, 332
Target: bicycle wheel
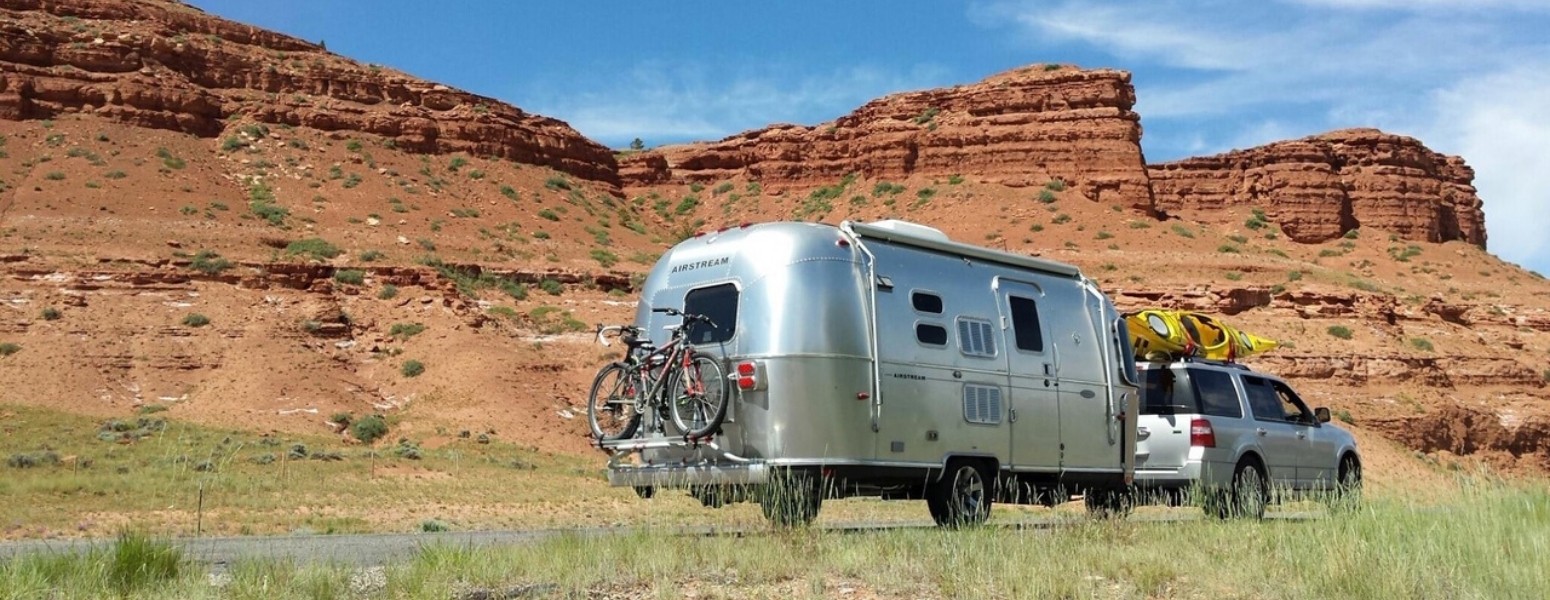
613, 406
699, 400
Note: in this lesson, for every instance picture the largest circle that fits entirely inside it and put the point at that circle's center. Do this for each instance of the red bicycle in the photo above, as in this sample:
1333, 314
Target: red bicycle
674, 382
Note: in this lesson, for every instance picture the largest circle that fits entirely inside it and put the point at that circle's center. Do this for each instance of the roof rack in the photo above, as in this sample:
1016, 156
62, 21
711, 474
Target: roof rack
1198, 360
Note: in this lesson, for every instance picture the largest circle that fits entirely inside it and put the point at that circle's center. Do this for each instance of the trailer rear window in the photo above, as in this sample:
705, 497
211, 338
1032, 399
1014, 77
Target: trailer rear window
719, 302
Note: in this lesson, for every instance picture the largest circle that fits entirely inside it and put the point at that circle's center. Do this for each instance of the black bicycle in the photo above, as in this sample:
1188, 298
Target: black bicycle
676, 379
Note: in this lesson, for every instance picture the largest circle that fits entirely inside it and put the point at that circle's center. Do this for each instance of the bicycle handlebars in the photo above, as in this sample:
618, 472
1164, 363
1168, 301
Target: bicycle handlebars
673, 312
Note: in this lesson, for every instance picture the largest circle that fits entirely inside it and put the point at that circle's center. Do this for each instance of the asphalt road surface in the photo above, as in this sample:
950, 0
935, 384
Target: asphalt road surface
365, 550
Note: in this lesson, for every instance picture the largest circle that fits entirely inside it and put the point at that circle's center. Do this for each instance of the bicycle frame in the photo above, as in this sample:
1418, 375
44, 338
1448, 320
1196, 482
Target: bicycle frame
653, 371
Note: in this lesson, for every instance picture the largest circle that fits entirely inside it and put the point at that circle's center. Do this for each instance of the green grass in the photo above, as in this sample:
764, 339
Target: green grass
404, 331
1340, 331
350, 276
412, 368
1484, 544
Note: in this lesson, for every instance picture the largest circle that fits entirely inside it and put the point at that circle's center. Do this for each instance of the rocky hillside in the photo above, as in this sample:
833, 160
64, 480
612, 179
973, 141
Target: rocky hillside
250, 231
165, 65
1021, 128
1321, 187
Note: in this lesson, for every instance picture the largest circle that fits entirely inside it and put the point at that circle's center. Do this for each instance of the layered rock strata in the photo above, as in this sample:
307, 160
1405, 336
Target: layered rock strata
164, 65
1026, 127
1321, 187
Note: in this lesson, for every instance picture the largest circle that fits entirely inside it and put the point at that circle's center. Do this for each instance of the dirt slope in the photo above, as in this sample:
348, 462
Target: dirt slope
130, 168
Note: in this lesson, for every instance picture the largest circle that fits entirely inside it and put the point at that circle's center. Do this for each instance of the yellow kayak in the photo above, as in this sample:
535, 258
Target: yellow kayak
1183, 333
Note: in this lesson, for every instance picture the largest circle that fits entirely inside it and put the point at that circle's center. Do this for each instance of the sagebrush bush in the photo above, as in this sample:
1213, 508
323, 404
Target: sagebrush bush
1340, 331
369, 428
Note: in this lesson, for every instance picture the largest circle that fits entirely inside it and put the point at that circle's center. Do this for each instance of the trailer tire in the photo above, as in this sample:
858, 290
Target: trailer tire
962, 496
1108, 503
645, 492
791, 498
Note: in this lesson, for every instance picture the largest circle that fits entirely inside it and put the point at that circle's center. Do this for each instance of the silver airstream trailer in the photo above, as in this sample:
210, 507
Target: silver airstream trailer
885, 359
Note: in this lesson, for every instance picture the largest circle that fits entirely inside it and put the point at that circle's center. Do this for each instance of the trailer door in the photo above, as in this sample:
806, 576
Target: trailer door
1034, 409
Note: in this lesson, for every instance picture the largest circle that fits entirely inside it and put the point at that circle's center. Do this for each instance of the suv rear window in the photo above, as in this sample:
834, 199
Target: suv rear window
1218, 397
1163, 394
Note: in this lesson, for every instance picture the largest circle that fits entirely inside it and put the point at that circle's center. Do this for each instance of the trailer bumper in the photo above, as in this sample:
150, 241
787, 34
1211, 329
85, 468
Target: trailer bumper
681, 476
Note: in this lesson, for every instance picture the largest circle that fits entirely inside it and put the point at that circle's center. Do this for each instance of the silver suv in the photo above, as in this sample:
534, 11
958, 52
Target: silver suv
1239, 438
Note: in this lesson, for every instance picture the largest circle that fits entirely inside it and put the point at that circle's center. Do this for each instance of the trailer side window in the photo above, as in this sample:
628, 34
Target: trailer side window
926, 302
976, 338
1025, 324
931, 335
719, 302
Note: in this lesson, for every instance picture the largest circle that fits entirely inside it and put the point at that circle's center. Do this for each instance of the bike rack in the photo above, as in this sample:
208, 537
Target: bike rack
618, 449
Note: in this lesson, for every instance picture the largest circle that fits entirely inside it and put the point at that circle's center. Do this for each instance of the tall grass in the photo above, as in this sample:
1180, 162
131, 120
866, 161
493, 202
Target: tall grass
1490, 542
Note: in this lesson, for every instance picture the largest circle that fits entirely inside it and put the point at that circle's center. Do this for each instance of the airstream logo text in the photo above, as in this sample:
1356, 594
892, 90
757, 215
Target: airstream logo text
703, 264
909, 376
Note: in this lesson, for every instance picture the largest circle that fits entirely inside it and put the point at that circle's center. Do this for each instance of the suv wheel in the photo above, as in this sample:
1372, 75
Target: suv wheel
1348, 489
1246, 498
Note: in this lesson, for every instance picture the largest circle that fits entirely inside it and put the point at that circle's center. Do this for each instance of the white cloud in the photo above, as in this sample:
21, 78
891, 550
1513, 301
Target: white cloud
1468, 78
1500, 123
661, 103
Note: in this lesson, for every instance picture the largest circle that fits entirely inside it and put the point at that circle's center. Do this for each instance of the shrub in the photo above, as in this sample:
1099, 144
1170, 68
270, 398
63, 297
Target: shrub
196, 320
1227, 249
55, 176
8, 348
1294, 276
233, 143
1238, 239
115, 175
542, 235
1061, 218
1103, 235
551, 286
954, 179
1046, 196
407, 449
369, 428
1421, 344
605, 258
317, 248
350, 276
726, 186
1183, 231
1140, 225
371, 255
927, 115
151, 409
51, 314
433, 526
388, 292
548, 214
1340, 331
510, 192
1055, 185
412, 368
557, 183
1352, 234
209, 263
405, 331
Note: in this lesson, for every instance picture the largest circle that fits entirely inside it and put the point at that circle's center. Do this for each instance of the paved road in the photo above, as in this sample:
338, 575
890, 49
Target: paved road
362, 550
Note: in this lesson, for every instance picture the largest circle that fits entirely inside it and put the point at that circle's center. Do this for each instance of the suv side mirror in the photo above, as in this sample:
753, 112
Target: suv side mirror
1322, 414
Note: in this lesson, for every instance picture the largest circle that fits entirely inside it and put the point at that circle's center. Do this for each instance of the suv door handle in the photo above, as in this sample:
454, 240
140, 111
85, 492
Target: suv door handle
1261, 431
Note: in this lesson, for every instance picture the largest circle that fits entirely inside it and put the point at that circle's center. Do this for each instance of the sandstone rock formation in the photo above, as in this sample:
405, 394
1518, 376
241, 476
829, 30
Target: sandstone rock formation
1320, 187
165, 65
1024, 127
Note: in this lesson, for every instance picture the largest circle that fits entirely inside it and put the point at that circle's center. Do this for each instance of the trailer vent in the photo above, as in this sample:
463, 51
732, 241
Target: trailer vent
982, 404
976, 337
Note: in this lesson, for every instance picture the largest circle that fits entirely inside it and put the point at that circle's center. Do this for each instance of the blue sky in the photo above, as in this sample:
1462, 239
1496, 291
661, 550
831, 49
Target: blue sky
1468, 77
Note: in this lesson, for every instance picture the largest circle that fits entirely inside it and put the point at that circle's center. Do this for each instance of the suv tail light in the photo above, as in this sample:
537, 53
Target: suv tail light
1201, 434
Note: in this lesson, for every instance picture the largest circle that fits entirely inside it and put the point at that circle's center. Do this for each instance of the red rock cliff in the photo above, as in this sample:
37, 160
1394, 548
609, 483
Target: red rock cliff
1318, 188
164, 65
1019, 128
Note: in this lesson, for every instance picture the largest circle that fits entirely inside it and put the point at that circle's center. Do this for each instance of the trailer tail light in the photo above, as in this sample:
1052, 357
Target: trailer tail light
1201, 434
747, 376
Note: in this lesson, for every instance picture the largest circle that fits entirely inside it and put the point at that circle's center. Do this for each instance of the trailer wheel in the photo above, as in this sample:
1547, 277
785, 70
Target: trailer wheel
962, 497
1108, 503
645, 491
791, 498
